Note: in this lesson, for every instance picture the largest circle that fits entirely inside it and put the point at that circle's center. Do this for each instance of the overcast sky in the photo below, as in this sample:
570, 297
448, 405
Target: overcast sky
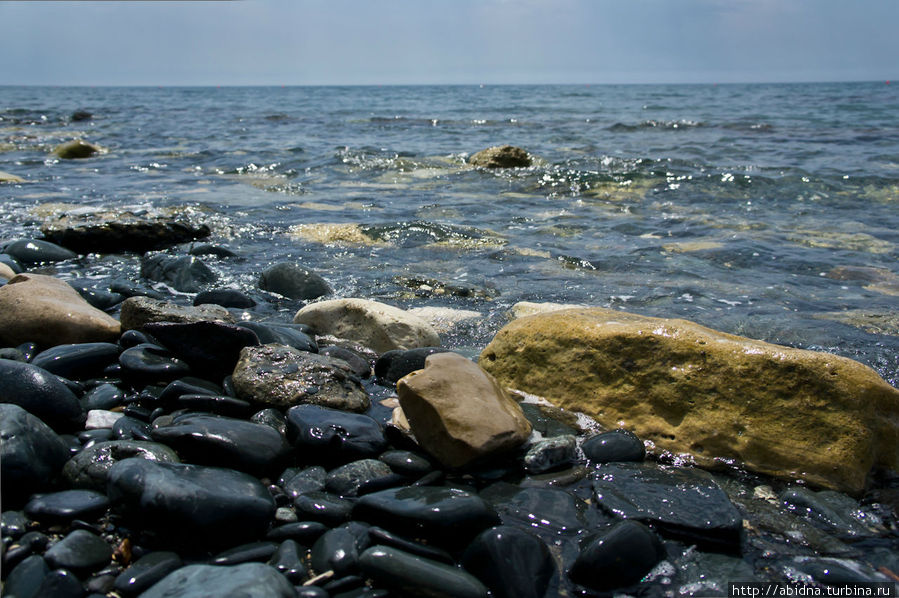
302, 42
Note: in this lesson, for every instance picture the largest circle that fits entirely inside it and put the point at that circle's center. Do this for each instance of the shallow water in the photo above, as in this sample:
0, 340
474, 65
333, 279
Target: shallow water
762, 210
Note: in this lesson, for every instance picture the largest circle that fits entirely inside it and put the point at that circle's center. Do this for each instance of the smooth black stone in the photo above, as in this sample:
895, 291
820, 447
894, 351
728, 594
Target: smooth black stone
129, 289
343, 585
61, 584
249, 580
138, 412
288, 559
832, 571
336, 550
312, 592
92, 437
281, 335
219, 405
186, 274
66, 505
617, 445
321, 506
549, 511
31, 454
98, 298
512, 563
811, 505
210, 249
225, 298
407, 463
13, 523
685, 504
358, 364
363, 592
393, 365
42, 394
187, 386
128, 428
12, 354
211, 348
223, 441
105, 397
101, 584
360, 477
12, 262
81, 552
246, 553
332, 436
205, 505
133, 338
409, 574
80, 115
618, 557
311, 479
381, 536
551, 454
447, 517
429, 479
31, 252
304, 532
90, 467
293, 282
145, 572
151, 363
24, 580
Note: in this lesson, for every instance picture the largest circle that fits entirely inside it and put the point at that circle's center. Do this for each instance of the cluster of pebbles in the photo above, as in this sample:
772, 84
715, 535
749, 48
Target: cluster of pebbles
165, 464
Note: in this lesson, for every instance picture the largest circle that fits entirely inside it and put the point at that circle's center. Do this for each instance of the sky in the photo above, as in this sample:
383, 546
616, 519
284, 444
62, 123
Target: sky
384, 42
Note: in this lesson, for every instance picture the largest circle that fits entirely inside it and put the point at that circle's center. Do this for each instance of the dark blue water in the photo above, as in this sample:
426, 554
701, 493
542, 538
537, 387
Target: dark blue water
763, 210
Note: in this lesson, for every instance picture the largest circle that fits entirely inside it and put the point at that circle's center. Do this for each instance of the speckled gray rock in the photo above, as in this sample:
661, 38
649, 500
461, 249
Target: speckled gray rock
282, 376
137, 311
90, 467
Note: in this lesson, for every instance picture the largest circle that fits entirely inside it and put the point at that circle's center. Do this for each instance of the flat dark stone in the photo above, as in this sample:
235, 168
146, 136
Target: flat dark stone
13, 524
24, 580
445, 516
617, 445
178, 502
31, 454
324, 507
311, 479
89, 469
282, 334
130, 428
546, 511
219, 405
360, 477
186, 274
211, 348
249, 580
42, 394
331, 436
31, 252
618, 557
304, 532
358, 364
77, 361
210, 249
81, 552
337, 550
66, 505
289, 560
61, 584
685, 504
511, 562
407, 463
245, 553
223, 441
104, 396
225, 298
293, 282
145, 572
413, 575
187, 386
152, 363
384, 537
393, 365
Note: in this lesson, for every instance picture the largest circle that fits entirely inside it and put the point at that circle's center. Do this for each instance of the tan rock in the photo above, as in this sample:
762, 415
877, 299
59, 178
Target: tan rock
137, 311
458, 412
505, 156
522, 309
690, 389
445, 319
6, 272
378, 326
46, 310
76, 149
6, 177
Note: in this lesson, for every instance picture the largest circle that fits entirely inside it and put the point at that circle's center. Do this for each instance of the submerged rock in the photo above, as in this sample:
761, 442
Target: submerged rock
75, 149
376, 325
505, 156
186, 274
293, 282
282, 376
780, 411
31, 252
332, 436
6, 177
458, 412
47, 311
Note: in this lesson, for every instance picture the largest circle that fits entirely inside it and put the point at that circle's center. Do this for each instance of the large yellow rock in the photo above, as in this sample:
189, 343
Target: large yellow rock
785, 412
46, 310
458, 412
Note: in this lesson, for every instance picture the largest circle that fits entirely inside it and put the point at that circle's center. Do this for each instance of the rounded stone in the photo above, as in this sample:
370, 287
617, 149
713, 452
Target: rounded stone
617, 445
76, 149
81, 552
331, 436
225, 298
249, 580
187, 274
393, 365
77, 361
616, 558
504, 156
550, 453
32, 454
293, 282
31, 252
416, 576
66, 505
90, 467
145, 572
511, 562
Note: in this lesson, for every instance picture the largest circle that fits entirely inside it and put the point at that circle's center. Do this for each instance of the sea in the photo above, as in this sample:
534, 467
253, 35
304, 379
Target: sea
764, 210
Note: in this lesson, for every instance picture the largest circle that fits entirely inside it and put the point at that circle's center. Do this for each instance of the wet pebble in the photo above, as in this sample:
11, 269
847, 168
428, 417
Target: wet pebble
187, 273
130, 428
61, 584
13, 524
24, 580
359, 477
382, 536
303, 532
293, 282
282, 334
152, 363
90, 467
225, 298
210, 348
393, 365
42, 394
512, 563
31, 453
77, 361
415, 576
288, 559
617, 445
146, 571
337, 550
324, 507
249, 580
407, 463
618, 557
81, 552
66, 505
550, 453
219, 405
297, 482
332, 436
31, 252
245, 553
103, 396
552, 511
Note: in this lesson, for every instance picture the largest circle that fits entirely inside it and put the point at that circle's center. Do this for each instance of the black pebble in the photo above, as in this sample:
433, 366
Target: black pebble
81, 552
616, 558
145, 572
66, 505
617, 445
225, 298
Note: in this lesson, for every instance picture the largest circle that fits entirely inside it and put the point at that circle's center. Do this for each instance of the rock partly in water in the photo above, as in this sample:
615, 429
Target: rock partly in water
75, 149
40, 393
376, 325
138, 311
616, 445
6, 177
32, 454
458, 412
6, 272
293, 282
249, 580
504, 156
186, 273
690, 389
550, 454
282, 376
47, 311
31, 252
225, 298
619, 557
117, 231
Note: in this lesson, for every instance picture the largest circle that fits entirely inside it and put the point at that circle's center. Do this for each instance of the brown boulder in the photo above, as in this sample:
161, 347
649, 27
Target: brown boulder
690, 389
505, 156
458, 412
46, 310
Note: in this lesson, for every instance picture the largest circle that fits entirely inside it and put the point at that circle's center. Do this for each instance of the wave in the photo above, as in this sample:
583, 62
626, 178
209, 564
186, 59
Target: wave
668, 125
